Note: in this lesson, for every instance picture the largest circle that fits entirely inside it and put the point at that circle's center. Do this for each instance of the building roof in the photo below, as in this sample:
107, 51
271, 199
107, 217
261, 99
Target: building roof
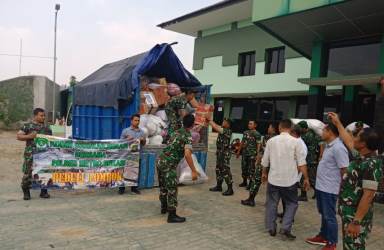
332, 24
223, 12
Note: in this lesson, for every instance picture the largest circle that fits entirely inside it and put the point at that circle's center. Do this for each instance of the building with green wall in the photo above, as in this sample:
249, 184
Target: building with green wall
275, 59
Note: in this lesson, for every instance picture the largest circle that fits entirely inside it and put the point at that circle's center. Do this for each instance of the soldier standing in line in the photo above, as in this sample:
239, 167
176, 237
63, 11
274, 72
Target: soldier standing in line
179, 146
223, 156
175, 110
256, 177
28, 133
249, 146
359, 185
313, 142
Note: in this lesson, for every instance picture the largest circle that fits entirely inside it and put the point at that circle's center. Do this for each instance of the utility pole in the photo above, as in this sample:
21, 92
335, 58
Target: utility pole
57, 8
21, 55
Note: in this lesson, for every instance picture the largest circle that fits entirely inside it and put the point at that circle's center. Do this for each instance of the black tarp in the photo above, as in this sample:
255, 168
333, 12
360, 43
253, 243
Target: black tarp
118, 80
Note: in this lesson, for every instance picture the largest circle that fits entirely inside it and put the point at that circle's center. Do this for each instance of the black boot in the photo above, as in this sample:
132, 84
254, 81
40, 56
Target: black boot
121, 190
303, 196
217, 188
229, 191
244, 183
27, 194
174, 218
164, 208
250, 201
44, 194
135, 190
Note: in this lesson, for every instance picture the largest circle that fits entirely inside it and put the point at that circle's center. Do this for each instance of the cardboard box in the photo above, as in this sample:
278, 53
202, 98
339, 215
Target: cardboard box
203, 111
148, 103
161, 95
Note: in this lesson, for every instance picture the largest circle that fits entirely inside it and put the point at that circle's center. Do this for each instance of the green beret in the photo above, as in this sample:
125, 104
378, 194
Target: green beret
359, 124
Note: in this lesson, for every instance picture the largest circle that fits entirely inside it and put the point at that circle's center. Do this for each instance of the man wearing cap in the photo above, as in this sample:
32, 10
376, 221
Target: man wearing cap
313, 141
223, 156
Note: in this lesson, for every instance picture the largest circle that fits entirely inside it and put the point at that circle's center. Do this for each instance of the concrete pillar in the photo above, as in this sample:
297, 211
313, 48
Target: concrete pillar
349, 103
379, 106
316, 95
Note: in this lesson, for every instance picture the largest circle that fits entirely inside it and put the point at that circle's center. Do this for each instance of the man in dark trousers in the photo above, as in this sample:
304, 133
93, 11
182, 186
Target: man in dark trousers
284, 156
28, 133
223, 157
179, 146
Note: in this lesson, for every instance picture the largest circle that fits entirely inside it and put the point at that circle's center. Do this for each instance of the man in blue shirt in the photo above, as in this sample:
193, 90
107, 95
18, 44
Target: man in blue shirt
133, 133
328, 179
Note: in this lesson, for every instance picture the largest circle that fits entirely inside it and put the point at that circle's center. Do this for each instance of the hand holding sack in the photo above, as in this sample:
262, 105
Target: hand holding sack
186, 172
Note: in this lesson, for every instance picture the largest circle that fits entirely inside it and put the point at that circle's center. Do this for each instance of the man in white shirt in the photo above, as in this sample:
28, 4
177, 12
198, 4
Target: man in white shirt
284, 155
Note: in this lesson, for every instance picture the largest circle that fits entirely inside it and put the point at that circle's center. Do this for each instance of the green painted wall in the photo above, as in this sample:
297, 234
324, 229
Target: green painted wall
262, 9
227, 83
229, 44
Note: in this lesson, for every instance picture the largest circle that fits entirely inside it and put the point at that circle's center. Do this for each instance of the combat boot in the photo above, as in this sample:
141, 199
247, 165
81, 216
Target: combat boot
217, 188
44, 194
250, 201
229, 190
174, 218
121, 190
244, 183
27, 194
164, 208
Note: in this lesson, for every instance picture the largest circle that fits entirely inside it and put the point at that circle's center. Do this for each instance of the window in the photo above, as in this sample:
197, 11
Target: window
354, 60
247, 63
274, 60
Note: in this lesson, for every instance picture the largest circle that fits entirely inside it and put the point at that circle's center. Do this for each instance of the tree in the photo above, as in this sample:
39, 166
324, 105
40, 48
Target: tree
72, 81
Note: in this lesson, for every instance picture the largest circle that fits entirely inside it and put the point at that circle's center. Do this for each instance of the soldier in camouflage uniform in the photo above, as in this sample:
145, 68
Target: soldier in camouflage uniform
175, 110
223, 157
313, 141
28, 133
256, 177
249, 147
179, 146
359, 184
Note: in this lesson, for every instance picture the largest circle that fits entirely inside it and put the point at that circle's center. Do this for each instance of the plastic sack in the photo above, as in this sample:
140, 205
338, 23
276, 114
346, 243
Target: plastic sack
155, 140
313, 124
152, 128
145, 131
351, 127
186, 173
162, 115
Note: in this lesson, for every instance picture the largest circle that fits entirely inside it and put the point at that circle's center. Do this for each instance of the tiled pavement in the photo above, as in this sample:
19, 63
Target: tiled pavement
104, 220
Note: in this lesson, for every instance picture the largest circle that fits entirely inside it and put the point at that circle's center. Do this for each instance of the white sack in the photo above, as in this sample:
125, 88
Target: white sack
313, 124
156, 140
186, 173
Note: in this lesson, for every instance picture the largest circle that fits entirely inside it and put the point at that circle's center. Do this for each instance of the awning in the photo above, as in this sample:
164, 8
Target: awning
343, 80
333, 24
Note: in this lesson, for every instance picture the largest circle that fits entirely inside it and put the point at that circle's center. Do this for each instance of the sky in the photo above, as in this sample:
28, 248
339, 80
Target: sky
90, 33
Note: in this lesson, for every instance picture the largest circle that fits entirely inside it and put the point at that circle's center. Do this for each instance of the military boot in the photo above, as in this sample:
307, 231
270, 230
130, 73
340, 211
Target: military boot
174, 218
27, 194
250, 201
229, 191
218, 187
244, 183
44, 194
164, 207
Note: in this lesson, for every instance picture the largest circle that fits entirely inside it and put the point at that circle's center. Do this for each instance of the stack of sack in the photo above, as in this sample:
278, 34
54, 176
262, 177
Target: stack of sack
152, 127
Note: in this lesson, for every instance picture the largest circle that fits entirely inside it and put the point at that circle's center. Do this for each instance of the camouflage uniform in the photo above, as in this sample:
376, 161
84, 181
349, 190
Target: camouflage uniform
363, 172
312, 140
172, 110
223, 157
167, 163
256, 179
30, 147
250, 140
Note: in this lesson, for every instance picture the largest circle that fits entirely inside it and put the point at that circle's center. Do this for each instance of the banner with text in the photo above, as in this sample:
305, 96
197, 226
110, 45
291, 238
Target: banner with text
80, 164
